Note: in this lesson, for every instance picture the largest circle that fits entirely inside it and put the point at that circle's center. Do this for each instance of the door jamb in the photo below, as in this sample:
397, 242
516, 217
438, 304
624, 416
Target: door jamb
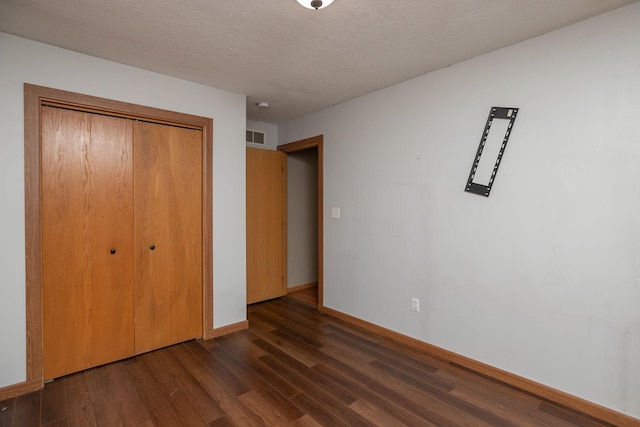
315, 141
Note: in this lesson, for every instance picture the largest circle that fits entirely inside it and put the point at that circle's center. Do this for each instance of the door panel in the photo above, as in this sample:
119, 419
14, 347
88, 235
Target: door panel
265, 219
168, 242
86, 202
112, 274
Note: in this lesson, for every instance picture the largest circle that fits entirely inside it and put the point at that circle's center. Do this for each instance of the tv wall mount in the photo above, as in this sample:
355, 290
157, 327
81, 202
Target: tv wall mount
482, 185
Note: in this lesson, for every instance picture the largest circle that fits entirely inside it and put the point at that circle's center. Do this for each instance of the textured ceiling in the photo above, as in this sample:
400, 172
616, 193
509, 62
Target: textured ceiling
298, 60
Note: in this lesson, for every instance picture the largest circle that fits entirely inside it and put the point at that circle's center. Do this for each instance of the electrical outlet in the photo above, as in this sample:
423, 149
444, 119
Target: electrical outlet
415, 304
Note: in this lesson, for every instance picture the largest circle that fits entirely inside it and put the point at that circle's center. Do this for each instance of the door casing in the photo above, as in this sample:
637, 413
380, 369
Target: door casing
315, 141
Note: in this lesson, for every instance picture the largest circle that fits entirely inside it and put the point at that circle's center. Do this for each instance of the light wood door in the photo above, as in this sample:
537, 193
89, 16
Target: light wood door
168, 242
87, 244
265, 219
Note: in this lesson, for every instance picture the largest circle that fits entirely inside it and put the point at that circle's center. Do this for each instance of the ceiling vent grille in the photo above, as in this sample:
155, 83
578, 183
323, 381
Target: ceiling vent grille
254, 137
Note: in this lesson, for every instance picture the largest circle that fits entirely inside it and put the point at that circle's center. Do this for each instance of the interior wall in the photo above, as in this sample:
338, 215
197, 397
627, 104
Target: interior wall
302, 217
36, 63
270, 134
542, 278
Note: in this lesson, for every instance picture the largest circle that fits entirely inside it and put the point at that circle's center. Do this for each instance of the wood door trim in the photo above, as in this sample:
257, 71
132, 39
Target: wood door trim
303, 144
18, 389
34, 97
285, 212
227, 329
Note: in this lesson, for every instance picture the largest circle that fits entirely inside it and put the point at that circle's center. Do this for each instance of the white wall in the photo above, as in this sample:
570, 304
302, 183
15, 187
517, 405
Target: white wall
270, 134
25, 61
542, 279
302, 217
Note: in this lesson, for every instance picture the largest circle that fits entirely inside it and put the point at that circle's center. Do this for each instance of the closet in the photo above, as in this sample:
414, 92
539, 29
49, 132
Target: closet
121, 217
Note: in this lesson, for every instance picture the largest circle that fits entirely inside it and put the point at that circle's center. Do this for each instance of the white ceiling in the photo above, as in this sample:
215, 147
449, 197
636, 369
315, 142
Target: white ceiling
298, 60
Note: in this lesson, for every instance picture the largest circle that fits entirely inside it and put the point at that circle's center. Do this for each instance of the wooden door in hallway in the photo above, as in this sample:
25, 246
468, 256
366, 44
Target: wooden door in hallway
265, 221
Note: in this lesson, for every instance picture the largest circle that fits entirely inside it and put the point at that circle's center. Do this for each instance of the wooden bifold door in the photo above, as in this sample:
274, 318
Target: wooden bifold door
121, 217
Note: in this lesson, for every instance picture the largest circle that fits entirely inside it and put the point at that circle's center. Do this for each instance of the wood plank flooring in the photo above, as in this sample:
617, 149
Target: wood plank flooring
308, 295
293, 367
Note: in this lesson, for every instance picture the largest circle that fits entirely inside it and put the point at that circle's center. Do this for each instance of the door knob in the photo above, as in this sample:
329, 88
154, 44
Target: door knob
152, 247
112, 251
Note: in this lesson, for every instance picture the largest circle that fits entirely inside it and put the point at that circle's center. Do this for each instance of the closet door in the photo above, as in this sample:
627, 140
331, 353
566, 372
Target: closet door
168, 235
87, 245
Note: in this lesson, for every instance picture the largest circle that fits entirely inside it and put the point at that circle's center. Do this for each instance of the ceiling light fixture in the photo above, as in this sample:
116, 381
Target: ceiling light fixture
315, 4
263, 104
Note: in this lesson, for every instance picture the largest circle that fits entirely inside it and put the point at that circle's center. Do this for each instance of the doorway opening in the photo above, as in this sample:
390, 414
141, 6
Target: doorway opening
303, 231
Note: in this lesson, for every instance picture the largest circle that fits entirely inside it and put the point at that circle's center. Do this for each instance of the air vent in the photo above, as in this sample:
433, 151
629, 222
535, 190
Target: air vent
255, 137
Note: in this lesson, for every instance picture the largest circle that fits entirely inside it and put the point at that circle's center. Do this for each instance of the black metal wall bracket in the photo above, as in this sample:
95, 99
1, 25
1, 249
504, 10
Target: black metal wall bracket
505, 113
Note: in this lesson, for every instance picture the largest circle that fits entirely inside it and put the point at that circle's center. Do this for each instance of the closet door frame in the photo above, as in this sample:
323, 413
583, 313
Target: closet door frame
36, 96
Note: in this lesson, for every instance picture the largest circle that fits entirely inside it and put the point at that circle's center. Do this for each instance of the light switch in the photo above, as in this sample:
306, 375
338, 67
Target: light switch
335, 212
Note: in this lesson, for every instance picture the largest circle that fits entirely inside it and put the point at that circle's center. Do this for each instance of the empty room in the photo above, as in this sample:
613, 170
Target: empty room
308, 213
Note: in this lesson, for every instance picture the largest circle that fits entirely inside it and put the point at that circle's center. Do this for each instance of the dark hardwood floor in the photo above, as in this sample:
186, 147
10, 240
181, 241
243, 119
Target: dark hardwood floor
307, 295
292, 366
